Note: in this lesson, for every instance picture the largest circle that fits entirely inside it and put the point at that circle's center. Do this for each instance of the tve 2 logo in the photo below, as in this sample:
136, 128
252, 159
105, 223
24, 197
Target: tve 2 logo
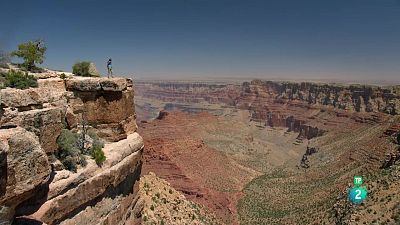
358, 193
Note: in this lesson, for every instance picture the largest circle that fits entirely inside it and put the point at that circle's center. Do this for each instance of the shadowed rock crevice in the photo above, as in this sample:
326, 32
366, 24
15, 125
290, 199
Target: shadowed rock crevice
3, 170
32, 204
123, 189
90, 96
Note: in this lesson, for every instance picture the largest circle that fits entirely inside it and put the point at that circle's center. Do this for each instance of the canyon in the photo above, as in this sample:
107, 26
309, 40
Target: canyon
38, 187
191, 152
274, 152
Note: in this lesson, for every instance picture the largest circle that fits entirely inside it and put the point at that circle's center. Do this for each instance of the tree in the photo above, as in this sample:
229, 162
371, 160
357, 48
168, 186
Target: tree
31, 52
81, 68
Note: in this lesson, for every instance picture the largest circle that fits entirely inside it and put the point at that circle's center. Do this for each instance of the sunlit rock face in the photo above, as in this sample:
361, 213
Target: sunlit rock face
106, 104
284, 104
25, 169
34, 186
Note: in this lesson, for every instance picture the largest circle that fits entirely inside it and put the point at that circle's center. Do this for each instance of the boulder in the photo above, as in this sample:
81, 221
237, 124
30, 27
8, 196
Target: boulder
45, 123
25, 166
31, 98
93, 71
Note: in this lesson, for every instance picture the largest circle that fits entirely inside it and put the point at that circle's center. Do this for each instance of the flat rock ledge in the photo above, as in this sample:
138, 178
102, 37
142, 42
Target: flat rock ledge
70, 193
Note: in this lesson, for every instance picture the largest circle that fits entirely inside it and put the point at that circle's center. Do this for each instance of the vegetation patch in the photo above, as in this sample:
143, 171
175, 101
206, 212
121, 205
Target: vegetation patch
96, 151
17, 79
31, 52
83, 69
71, 151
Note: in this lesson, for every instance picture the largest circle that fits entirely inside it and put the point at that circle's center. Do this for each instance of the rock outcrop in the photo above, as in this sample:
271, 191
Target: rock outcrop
33, 184
106, 104
158, 202
93, 71
355, 98
25, 169
70, 193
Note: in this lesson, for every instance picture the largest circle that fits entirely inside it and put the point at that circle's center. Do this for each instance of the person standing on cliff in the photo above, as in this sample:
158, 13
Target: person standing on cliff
109, 68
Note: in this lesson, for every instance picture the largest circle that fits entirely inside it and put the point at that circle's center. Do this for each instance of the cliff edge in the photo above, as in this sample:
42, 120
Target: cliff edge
34, 184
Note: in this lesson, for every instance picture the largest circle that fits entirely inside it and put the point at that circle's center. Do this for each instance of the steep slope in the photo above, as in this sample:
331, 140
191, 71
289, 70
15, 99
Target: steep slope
159, 203
331, 133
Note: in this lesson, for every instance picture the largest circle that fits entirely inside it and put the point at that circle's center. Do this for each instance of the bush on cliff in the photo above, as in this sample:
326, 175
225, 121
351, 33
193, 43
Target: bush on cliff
85, 69
31, 52
97, 149
17, 79
70, 154
68, 150
98, 155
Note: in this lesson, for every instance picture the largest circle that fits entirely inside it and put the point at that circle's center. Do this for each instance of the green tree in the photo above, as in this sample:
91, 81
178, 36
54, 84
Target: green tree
31, 52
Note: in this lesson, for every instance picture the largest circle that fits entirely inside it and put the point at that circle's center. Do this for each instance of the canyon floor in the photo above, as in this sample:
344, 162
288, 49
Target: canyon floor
249, 173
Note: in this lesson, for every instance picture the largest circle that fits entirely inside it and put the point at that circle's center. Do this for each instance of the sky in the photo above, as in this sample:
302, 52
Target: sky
184, 39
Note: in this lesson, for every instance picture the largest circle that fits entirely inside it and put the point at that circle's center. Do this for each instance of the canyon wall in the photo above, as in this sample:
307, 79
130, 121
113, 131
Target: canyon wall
188, 92
34, 185
294, 105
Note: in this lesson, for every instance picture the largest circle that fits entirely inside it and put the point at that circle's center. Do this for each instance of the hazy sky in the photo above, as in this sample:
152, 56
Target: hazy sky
327, 39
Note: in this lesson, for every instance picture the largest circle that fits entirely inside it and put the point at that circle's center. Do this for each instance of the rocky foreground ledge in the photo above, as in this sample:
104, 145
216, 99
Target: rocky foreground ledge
34, 186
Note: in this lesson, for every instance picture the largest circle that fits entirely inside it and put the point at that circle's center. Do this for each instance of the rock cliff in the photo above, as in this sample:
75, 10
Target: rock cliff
294, 105
34, 186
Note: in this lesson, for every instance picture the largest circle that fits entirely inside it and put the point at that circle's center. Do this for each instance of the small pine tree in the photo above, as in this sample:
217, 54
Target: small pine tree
31, 52
20, 80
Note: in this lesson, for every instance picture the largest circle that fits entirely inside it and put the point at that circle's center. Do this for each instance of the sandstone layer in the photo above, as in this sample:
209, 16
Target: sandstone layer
106, 104
34, 184
25, 169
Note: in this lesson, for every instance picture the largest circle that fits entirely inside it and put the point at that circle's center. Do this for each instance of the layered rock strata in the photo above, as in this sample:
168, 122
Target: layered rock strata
33, 185
286, 104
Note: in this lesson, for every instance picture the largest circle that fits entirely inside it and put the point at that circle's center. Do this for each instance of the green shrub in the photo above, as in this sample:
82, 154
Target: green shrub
68, 150
83, 69
63, 76
31, 52
97, 143
70, 163
70, 154
98, 156
97, 148
18, 79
